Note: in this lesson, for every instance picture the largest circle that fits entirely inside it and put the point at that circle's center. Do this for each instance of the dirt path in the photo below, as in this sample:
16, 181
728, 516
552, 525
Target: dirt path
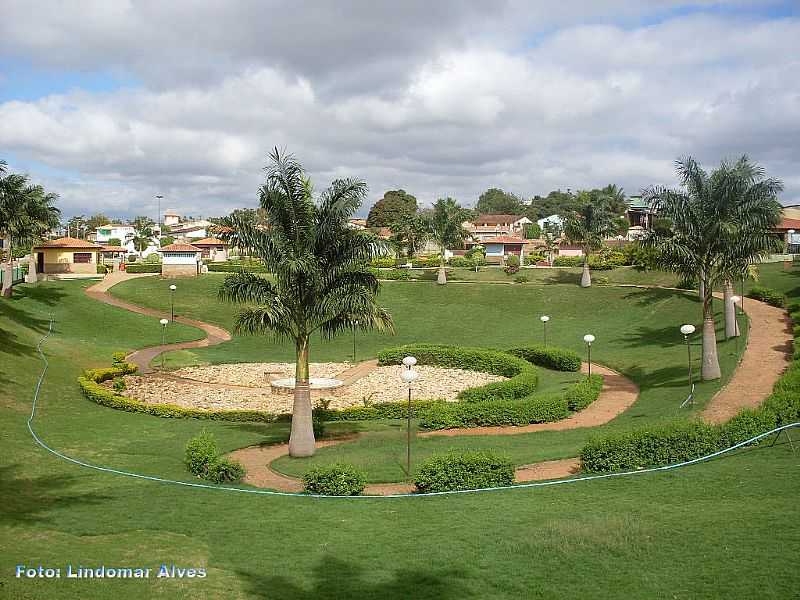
142, 358
618, 395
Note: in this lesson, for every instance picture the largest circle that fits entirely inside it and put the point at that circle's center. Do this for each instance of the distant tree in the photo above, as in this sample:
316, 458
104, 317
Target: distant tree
555, 203
114, 242
166, 240
589, 227
445, 226
549, 245
27, 212
532, 231
394, 205
143, 233
409, 232
96, 221
76, 227
495, 201
617, 202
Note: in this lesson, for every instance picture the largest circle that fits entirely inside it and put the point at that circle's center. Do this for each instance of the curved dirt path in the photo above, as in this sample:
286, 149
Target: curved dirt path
142, 358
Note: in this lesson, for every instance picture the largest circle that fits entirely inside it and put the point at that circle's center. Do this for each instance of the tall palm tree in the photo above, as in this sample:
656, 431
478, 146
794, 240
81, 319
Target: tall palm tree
143, 234
409, 231
27, 212
720, 223
446, 229
589, 227
549, 244
320, 278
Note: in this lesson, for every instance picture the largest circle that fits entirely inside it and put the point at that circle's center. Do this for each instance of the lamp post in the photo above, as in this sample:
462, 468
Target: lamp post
736, 300
544, 319
688, 330
355, 325
164, 323
172, 289
409, 376
589, 338
158, 198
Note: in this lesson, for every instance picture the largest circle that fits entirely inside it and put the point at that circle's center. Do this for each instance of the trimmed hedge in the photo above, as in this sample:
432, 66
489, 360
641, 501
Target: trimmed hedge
583, 393
464, 471
143, 267
488, 413
768, 295
235, 267
225, 470
379, 410
335, 480
392, 274
557, 359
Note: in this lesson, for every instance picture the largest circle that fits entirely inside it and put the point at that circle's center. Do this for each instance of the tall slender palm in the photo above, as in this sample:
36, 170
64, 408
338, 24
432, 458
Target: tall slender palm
446, 229
320, 279
589, 227
27, 212
143, 234
720, 223
549, 244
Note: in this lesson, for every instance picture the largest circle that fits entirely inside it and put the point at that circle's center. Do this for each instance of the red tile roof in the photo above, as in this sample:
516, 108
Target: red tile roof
68, 242
496, 219
180, 248
113, 249
210, 241
504, 239
789, 224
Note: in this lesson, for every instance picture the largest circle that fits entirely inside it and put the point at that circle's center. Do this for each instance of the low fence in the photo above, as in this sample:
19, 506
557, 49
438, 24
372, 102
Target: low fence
18, 274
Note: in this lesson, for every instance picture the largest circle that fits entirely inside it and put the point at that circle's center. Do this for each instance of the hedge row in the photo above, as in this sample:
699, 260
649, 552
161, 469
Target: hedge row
768, 295
684, 440
338, 479
583, 393
379, 410
557, 359
143, 267
488, 413
235, 267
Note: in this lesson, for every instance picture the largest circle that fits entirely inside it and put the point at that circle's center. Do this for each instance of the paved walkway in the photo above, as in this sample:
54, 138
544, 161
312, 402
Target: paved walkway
142, 358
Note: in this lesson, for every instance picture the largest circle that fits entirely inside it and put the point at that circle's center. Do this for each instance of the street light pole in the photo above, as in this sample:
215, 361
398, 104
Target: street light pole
355, 324
172, 289
159, 214
589, 338
164, 323
409, 375
736, 300
688, 330
544, 319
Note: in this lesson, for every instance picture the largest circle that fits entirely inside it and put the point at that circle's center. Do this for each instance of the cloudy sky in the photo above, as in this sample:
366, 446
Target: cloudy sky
118, 101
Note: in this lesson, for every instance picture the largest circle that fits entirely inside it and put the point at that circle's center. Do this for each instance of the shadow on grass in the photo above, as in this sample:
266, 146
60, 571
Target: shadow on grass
27, 499
335, 578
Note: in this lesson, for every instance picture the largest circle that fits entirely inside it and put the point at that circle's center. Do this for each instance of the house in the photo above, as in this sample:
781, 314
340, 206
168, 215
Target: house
191, 231
505, 224
551, 223
567, 249
66, 255
180, 260
499, 248
125, 234
212, 248
171, 218
791, 241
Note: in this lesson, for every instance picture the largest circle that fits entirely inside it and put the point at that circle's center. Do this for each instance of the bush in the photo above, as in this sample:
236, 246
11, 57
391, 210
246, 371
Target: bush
104, 269
153, 258
461, 261
236, 267
104, 374
383, 262
583, 393
201, 452
380, 410
745, 425
568, 261
335, 480
143, 268
521, 279
768, 295
464, 471
784, 406
119, 384
118, 359
533, 258
549, 357
650, 446
318, 424
224, 470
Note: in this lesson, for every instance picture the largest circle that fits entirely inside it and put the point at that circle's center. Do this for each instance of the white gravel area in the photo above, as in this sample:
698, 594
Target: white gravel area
256, 374
381, 385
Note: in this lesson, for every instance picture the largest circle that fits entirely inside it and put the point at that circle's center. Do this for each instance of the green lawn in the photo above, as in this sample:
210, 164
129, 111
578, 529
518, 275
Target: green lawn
726, 529
636, 330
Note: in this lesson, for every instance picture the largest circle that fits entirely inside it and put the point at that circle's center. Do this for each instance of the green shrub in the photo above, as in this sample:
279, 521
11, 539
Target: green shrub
383, 262
784, 406
568, 261
318, 424
104, 374
768, 295
492, 413
143, 268
519, 386
521, 279
380, 410
236, 267
224, 470
745, 425
533, 258
790, 380
201, 451
464, 471
119, 384
118, 359
104, 269
583, 393
549, 357
335, 480
461, 261
153, 258
649, 446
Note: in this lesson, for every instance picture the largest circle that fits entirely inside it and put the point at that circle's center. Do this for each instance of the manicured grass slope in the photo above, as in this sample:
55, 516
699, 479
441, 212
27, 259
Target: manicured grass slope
636, 330
722, 530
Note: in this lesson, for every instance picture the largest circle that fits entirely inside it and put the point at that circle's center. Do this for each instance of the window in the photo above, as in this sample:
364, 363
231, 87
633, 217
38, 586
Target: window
82, 257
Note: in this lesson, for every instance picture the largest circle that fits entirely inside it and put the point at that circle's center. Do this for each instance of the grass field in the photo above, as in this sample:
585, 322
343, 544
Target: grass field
726, 529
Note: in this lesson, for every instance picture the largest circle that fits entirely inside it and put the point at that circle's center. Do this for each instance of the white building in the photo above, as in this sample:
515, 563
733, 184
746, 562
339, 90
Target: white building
125, 235
180, 260
171, 218
551, 222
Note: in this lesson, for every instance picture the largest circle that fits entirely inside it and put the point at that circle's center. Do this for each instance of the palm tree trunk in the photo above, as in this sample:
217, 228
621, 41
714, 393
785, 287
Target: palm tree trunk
710, 367
730, 310
441, 279
8, 269
586, 276
702, 287
301, 439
